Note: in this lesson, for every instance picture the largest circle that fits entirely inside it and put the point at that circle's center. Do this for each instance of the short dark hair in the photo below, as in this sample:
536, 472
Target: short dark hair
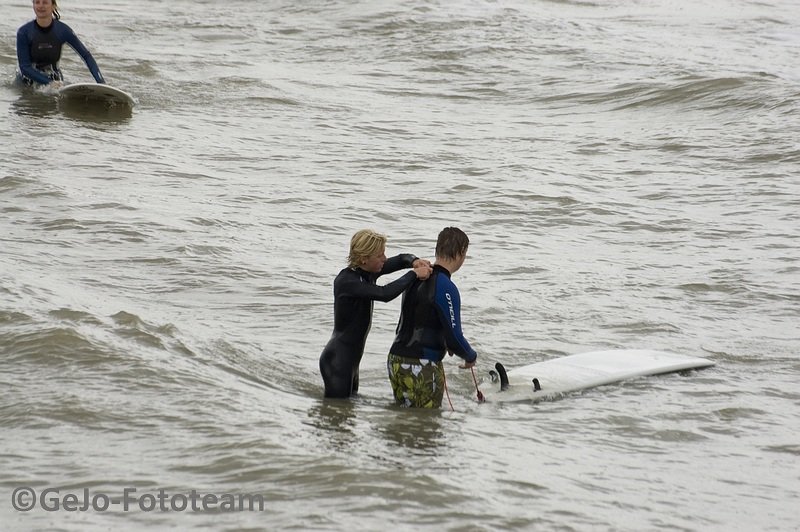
452, 243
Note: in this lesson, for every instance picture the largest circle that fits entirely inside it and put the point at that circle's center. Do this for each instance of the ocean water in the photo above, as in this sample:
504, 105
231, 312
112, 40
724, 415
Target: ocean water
629, 176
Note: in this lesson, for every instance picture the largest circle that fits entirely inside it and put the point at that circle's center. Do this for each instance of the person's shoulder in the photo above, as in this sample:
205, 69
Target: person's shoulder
444, 281
62, 30
25, 27
347, 273
61, 26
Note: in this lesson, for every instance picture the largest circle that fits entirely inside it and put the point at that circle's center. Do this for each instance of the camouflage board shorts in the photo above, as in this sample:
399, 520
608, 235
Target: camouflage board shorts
416, 383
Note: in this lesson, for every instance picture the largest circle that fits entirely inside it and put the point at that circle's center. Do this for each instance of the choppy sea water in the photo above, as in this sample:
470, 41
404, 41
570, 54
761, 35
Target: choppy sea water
629, 177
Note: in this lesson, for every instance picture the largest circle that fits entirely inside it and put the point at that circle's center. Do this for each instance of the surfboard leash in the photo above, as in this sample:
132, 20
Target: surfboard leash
481, 398
478, 391
446, 391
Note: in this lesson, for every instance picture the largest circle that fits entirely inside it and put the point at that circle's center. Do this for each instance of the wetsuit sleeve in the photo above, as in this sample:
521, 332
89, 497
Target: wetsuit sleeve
358, 289
448, 306
69, 37
24, 58
398, 262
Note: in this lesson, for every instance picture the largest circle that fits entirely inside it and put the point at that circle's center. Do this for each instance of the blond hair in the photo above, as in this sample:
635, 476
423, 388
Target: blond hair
56, 14
365, 244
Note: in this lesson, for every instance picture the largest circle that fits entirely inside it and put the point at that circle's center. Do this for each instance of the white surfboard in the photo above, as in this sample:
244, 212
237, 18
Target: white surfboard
96, 92
555, 377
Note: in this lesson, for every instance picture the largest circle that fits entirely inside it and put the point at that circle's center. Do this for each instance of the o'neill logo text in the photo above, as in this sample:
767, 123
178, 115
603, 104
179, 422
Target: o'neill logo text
452, 311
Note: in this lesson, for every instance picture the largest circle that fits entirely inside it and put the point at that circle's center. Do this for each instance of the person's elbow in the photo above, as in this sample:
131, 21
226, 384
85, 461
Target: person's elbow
386, 297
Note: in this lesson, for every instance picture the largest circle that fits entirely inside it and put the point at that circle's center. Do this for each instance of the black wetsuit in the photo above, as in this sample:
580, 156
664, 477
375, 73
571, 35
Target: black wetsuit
354, 290
430, 320
39, 51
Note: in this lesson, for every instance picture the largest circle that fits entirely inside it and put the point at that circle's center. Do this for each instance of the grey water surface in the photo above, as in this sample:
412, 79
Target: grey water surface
629, 176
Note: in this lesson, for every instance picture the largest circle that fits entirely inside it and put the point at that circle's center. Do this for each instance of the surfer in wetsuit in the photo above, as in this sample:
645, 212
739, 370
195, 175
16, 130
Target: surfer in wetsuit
354, 291
39, 44
429, 326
